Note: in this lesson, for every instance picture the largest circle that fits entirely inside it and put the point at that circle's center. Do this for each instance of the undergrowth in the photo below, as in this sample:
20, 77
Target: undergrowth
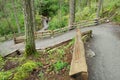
23, 71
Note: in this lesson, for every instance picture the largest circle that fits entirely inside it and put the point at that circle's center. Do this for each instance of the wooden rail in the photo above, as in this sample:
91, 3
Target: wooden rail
50, 33
78, 68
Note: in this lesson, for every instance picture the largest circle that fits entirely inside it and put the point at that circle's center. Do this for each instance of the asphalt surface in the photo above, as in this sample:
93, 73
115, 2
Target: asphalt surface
105, 65
105, 44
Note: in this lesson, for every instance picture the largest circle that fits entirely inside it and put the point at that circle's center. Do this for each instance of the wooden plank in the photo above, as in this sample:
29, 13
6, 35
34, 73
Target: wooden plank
78, 63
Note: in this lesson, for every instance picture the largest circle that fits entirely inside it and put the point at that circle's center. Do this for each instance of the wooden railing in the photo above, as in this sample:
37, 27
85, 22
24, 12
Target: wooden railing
50, 33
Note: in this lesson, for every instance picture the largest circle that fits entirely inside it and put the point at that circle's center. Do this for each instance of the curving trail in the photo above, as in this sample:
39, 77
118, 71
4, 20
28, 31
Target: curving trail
105, 43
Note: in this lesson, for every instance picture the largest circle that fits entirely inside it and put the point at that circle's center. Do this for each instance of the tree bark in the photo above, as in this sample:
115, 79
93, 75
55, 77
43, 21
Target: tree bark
33, 14
16, 18
99, 8
72, 12
29, 29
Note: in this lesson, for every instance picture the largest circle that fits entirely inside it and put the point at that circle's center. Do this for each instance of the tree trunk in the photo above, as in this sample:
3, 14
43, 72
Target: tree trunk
72, 12
29, 29
16, 18
99, 8
33, 14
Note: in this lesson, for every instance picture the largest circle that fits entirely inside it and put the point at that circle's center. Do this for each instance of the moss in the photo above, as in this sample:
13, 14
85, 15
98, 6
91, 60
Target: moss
30, 50
24, 70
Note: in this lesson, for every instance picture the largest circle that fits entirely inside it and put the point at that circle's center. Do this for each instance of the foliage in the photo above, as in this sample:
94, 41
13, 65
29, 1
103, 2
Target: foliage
2, 62
41, 75
5, 75
47, 7
61, 53
111, 10
56, 23
51, 8
39, 64
59, 65
24, 70
30, 50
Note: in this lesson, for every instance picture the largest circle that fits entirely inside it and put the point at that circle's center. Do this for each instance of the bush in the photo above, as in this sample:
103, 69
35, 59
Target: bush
55, 23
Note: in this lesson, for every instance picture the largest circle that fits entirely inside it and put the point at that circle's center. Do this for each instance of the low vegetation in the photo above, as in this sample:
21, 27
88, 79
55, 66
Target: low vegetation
48, 65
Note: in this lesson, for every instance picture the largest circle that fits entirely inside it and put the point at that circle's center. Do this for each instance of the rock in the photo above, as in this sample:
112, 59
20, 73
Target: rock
90, 53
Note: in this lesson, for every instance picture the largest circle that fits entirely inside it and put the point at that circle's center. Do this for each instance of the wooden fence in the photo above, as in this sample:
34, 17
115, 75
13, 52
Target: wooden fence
50, 33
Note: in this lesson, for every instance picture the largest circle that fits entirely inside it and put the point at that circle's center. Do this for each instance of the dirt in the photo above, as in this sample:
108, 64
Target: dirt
10, 65
33, 75
63, 74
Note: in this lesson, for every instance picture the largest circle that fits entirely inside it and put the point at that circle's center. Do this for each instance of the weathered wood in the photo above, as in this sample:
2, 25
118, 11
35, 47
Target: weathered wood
13, 53
84, 39
19, 39
42, 35
78, 63
49, 33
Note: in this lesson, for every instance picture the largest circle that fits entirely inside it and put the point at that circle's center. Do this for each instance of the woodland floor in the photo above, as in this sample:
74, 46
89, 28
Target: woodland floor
47, 58
105, 65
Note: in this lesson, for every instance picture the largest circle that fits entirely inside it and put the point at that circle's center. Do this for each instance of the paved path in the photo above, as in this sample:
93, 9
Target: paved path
105, 43
9, 46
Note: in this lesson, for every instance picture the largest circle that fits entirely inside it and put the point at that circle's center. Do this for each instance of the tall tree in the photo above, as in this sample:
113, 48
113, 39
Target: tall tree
99, 8
15, 14
33, 13
72, 12
29, 27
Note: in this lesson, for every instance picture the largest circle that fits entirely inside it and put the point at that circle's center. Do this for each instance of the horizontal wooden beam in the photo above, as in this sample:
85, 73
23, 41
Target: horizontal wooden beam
22, 38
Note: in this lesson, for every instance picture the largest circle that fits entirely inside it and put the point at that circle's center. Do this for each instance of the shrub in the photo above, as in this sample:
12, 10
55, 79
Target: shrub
56, 23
